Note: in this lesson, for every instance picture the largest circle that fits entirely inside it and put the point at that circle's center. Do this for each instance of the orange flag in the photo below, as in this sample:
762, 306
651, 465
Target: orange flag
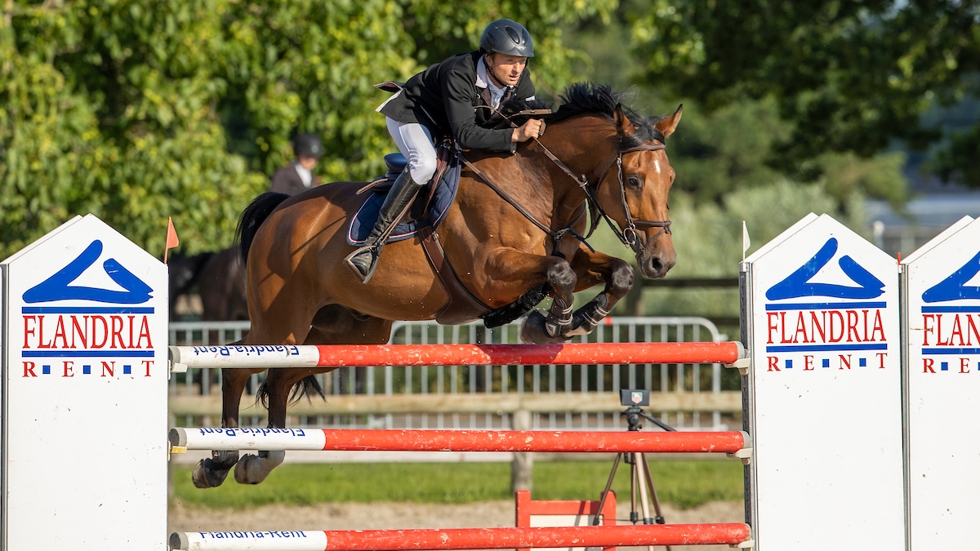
172, 240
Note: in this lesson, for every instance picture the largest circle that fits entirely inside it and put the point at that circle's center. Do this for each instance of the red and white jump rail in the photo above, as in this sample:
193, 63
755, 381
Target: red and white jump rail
465, 538
288, 439
342, 355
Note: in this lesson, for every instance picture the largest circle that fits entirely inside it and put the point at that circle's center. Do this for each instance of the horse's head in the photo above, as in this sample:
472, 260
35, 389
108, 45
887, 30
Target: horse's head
634, 190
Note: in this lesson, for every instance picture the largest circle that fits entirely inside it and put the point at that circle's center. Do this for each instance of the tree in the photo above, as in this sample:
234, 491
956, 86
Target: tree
136, 110
851, 76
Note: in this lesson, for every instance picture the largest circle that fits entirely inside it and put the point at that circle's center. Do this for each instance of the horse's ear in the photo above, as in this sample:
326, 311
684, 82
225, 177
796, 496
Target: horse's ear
668, 124
623, 125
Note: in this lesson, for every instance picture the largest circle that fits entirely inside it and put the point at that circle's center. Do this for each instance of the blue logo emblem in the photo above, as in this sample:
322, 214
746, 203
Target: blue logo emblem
59, 286
954, 287
798, 283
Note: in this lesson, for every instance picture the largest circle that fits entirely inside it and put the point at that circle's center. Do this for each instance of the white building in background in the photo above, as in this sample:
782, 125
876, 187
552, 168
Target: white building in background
928, 214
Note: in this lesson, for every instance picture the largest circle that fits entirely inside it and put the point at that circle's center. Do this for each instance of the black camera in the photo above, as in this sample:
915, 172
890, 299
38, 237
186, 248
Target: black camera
631, 397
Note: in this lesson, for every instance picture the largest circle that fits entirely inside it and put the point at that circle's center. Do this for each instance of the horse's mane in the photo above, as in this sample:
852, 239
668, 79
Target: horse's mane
589, 98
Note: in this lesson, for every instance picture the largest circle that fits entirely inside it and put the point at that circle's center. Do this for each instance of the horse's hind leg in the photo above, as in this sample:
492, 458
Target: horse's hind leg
332, 325
211, 472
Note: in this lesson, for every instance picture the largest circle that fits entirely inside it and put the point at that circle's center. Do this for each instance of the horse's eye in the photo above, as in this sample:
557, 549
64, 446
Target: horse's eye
634, 181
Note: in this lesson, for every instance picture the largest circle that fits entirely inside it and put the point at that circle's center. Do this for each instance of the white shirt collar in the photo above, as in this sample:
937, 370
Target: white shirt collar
483, 80
304, 174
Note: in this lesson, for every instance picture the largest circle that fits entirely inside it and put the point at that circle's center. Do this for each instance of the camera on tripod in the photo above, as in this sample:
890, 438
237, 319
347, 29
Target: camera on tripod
631, 397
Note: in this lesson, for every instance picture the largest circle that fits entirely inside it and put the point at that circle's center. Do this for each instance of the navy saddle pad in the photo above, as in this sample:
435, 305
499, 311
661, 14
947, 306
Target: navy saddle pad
442, 199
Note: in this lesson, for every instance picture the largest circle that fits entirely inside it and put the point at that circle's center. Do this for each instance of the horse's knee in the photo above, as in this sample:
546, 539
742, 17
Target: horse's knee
561, 276
621, 278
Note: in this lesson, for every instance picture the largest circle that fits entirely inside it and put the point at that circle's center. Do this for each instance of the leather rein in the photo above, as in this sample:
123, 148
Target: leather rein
628, 236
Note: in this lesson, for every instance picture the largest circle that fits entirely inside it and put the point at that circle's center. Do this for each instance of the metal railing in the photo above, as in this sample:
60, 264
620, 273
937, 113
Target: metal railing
489, 385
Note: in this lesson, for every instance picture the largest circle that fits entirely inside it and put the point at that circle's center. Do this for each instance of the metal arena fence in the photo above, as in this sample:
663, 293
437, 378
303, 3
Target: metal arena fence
687, 396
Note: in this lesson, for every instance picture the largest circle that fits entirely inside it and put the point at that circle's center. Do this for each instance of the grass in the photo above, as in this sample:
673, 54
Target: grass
684, 484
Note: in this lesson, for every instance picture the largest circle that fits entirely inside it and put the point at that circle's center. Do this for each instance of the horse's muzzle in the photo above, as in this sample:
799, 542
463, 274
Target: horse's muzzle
656, 264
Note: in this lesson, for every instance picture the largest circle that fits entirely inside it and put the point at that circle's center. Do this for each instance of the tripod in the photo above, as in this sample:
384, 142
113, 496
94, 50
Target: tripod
639, 473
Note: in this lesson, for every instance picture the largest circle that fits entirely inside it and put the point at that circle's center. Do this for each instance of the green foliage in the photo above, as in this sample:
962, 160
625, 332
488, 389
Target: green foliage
850, 76
136, 110
680, 483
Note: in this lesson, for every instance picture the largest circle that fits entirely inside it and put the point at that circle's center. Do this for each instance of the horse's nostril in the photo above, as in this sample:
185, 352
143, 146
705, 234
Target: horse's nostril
656, 265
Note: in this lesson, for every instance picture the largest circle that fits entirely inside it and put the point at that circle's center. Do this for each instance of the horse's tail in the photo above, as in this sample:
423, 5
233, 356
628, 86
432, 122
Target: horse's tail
253, 216
308, 386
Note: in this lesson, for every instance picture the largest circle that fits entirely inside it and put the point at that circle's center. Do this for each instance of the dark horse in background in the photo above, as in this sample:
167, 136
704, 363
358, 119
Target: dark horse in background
299, 291
219, 278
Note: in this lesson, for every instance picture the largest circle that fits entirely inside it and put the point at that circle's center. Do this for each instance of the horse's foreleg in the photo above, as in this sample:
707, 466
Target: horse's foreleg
254, 468
211, 472
594, 268
553, 327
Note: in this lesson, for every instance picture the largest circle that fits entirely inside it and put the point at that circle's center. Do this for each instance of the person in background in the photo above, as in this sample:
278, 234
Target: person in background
457, 97
297, 177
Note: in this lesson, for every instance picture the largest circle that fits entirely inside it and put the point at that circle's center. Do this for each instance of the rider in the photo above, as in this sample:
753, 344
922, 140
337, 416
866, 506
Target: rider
453, 98
297, 176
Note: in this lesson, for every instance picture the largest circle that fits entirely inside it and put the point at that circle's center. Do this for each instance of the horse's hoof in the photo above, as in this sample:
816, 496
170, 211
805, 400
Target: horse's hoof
253, 469
533, 330
206, 475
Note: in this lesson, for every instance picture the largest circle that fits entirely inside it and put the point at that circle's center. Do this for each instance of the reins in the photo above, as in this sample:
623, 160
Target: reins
628, 236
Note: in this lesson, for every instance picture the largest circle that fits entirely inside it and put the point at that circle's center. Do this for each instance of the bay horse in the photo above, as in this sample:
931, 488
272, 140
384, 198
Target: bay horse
595, 151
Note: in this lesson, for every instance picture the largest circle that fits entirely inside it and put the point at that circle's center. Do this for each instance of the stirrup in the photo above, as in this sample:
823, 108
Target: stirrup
354, 269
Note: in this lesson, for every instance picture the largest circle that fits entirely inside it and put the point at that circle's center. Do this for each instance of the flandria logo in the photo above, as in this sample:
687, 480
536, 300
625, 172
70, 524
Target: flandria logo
847, 326
952, 329
68, 324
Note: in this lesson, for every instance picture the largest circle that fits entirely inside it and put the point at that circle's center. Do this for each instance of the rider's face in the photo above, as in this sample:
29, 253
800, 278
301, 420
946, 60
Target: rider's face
506, 69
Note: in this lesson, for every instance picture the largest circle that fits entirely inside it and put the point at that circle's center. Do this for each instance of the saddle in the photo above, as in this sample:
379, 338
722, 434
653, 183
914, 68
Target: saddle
426, 214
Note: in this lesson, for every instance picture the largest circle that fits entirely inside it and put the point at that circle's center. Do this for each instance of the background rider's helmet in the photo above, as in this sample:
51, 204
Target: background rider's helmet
308, 145
507, 37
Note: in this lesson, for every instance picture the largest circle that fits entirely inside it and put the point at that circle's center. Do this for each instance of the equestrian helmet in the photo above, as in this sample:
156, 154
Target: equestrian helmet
308, 145
507, 37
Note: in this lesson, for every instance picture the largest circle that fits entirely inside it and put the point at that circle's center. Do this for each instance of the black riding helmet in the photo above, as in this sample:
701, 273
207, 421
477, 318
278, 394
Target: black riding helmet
507, 37
308, 145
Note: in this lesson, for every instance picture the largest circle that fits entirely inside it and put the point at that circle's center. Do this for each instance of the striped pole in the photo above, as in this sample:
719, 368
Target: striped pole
456, 440
343, 355
465, 538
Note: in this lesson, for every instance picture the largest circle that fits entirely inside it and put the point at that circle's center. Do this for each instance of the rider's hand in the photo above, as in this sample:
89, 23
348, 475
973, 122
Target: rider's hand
530, 129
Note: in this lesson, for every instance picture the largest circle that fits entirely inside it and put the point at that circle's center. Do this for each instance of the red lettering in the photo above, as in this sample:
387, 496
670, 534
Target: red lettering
773, 363
68, 368
117, 327
109, 368
807, 363
973, 334
782, 328
40, 333
801, 329
852, 332
78, 331
817, 326
147, 364
939, 332
144, 332
878, 331
771, 320
927, 364
957, 330
131, 318
29, 369
838, 317
964, 365
927, 327
59, 332
881, 359
845, 361
29, 330
96, 321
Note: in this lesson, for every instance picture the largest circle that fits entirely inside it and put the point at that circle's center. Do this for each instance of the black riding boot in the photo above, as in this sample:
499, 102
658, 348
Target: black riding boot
362, 261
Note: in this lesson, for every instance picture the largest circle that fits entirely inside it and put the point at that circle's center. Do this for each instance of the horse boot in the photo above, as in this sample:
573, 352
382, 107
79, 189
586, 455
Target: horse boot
364, 259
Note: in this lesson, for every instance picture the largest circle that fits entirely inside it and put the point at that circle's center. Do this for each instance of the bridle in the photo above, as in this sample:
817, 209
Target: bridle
629, 236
